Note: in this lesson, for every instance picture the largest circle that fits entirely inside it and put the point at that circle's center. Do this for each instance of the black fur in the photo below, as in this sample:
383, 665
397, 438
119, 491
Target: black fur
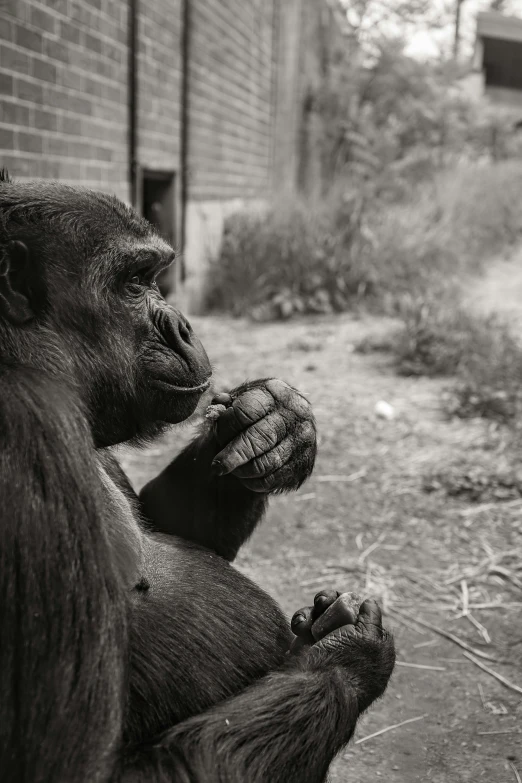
127, 654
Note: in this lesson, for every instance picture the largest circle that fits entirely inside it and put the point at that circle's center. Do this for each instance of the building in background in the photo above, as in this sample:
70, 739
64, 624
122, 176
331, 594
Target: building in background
498, 59
189, 109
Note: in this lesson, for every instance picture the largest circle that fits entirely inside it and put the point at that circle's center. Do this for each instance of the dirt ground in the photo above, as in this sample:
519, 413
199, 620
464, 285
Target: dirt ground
363, 522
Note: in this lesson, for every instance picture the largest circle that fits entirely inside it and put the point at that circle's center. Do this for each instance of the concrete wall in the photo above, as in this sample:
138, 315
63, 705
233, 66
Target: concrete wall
231, 78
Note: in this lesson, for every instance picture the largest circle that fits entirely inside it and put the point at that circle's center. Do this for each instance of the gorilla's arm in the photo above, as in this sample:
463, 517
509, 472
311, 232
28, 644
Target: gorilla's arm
215, 492
62, 613
217, 512
287, 727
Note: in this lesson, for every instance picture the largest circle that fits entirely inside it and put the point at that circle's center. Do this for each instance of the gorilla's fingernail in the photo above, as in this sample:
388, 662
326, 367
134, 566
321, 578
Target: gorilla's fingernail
223, 398
217, 468
299, 624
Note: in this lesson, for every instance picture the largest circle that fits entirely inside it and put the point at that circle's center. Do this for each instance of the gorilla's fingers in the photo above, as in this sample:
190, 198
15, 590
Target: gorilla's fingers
370, 619
222, 398
269, 462
289, 397
322, 601
301, 624
343, 611
246, 409
256, 440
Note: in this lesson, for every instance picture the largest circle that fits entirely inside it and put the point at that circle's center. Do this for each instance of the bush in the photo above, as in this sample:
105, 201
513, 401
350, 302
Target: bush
290, 260
435, 338
355, 247
442, 338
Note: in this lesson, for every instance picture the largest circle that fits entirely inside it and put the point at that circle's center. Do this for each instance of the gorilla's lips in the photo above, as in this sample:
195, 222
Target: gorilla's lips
167, 386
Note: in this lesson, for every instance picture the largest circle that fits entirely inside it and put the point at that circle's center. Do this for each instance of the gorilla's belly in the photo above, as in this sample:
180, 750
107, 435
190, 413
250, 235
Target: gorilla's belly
206, 634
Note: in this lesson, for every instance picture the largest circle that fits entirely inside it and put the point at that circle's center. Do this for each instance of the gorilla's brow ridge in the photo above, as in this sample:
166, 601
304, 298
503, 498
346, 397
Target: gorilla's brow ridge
67, 208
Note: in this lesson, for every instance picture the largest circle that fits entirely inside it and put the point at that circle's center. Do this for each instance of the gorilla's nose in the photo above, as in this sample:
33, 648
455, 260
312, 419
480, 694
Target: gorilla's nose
180, 337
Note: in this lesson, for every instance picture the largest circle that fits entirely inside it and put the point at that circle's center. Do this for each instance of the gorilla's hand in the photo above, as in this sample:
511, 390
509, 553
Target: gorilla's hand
267, 436
363, 651
331, 610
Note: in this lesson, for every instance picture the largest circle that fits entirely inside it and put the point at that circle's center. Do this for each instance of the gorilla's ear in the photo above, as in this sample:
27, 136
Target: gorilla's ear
14, 283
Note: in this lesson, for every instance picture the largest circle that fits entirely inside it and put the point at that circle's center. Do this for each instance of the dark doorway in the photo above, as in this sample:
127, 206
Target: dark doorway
158, 207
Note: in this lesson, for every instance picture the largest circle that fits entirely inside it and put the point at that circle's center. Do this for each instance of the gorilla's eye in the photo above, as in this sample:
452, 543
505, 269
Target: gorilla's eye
142, 278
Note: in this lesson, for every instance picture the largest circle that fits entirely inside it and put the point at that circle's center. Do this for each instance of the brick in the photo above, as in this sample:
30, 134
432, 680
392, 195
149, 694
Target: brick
70, 170
19, 9
6, 84
44, 70
13, 113
72, 79
7, 139
49, 169
60, 6
45, 120
54, 145
56, 50
94, 87
30, 142
70, 32
79, 105
6, 29
112, 51
112, 93
43, 20
59, 99
106, 68
14, 59
92, 42
81, 15
19, 166
28, 39
81, 59
103, 153
71, 125
93, 173
29, 91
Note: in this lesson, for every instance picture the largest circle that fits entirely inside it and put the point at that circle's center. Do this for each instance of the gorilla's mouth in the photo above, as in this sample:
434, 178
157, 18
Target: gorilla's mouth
171, 387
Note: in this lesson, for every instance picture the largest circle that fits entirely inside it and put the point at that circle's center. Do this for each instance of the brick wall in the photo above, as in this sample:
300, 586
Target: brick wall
63, 81
159, 84
231, 102
64, 99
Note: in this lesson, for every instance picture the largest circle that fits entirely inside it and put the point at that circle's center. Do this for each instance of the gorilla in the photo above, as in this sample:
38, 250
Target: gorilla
131, 649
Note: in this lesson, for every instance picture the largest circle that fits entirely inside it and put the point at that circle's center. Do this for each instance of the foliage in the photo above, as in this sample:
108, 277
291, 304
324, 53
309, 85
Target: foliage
356, 247
301, 258
409, 196
435, 338
475, 483
441, 338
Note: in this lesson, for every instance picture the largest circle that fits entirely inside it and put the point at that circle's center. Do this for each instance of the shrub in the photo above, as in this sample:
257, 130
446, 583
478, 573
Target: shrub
434, 338
356, 246
440, 337
294, 259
